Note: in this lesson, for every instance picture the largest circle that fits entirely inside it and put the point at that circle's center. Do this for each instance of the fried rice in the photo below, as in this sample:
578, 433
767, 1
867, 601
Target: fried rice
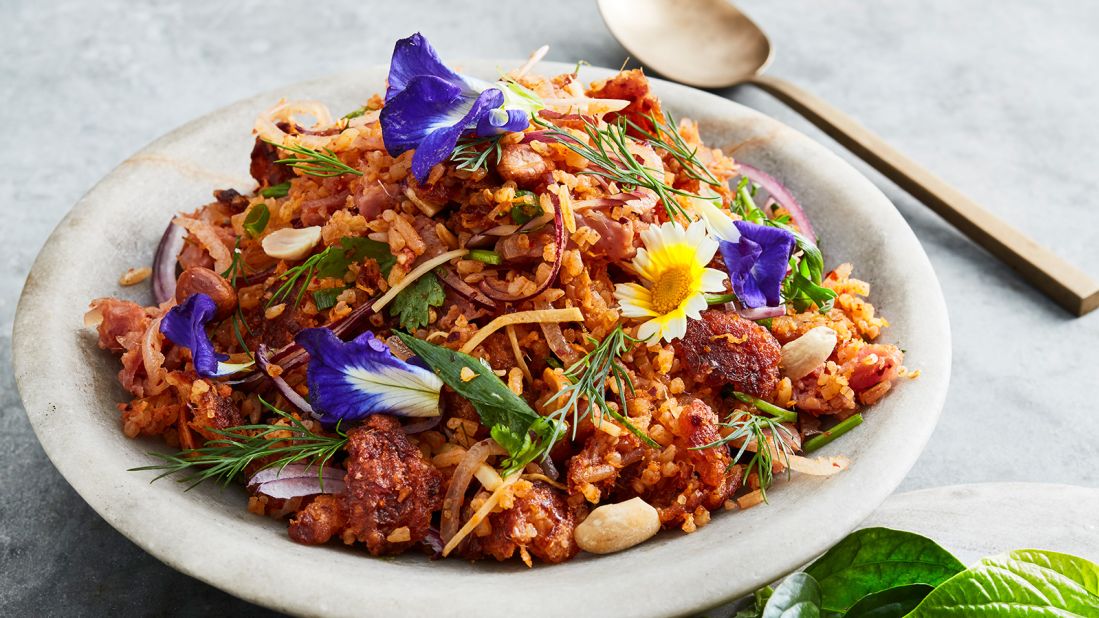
408, 484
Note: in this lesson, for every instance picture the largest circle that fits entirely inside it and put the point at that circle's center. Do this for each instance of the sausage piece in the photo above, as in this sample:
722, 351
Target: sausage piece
724, 348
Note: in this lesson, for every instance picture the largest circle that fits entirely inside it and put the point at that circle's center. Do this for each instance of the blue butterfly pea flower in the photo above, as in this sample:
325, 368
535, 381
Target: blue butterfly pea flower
428, 107
185, 326
350, 380
757, 263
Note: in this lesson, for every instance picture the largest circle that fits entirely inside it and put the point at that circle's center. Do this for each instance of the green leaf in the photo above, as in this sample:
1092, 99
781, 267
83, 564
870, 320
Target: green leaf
412, 306
798, 596
279, 190
257, 219
1025, 583
890, 603
510, 420
354, 249
525, 207
875, 559
802, 292
326, 298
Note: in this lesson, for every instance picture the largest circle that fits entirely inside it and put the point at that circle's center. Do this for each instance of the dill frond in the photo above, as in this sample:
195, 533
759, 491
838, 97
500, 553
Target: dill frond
470, 156
608, 150
226, 458
762, 431
324, 164
588, 383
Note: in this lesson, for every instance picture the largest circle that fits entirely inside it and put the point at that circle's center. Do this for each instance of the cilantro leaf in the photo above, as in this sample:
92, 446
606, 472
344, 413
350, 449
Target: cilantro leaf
413, 304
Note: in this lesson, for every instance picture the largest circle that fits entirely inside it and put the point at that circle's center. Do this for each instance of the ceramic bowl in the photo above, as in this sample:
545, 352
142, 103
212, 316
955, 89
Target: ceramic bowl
69, 390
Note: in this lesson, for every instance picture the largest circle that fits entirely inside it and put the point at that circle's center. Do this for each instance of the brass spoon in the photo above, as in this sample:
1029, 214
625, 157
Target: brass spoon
711, 44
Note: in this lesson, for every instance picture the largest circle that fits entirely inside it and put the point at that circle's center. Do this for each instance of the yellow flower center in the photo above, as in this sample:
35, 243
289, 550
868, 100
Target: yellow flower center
670, 289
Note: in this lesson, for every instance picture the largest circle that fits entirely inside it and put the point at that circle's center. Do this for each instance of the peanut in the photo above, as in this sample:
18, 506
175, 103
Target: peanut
614, 527
291, 244
809, 351
197, 280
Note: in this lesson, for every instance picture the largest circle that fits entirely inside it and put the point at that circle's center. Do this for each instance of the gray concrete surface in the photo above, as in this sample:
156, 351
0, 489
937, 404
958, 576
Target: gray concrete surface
995, 96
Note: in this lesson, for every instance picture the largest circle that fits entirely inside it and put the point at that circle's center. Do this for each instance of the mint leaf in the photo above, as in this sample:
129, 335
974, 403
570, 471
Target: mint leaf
413, 304
511, 421
1026, 582
257, 219
875, 559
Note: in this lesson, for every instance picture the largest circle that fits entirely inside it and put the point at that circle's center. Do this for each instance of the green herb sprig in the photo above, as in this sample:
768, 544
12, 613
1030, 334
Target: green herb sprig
332, 262
322, 163
231, 274
667, 137
611, 158
225, 458
473, 153
588, 384
756, 429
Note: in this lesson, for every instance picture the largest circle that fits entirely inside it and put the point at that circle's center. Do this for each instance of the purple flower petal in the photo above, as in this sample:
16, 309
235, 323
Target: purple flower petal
415, 57
354, 379
498, 121
185, 325
757, 263
420, 117
427, 104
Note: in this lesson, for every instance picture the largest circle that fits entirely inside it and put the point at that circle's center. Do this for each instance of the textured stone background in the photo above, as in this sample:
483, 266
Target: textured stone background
998, 97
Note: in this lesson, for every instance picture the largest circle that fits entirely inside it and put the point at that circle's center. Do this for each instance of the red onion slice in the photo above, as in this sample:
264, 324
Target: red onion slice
296, 481
287, 391
452, 279
782, 195
164, 262
434, 542
422, 426
559, 250
483, 239
760, 313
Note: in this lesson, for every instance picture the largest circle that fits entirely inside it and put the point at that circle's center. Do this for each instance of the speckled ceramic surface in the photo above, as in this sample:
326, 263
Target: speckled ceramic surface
984, 519
69, 390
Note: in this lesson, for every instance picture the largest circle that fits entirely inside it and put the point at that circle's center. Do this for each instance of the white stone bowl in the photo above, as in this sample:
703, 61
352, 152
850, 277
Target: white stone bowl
69, 390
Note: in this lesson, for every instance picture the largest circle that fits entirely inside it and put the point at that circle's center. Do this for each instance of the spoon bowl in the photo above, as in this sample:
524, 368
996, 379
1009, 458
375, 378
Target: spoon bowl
666, 36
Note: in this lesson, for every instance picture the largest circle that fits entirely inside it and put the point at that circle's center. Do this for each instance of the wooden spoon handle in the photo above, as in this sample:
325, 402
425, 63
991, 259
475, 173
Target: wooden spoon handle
1070, 287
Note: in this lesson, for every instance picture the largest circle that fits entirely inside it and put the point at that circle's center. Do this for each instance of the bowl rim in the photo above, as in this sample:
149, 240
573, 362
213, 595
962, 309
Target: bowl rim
303, 597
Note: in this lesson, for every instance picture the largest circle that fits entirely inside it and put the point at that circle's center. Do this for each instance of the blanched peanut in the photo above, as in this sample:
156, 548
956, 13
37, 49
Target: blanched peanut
614, 527
291, 244
197, 280
809, 351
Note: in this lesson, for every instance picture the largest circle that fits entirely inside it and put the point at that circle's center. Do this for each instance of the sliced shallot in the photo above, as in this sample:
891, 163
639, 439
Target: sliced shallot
459, 482
296, 481
164, 262
263, 362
